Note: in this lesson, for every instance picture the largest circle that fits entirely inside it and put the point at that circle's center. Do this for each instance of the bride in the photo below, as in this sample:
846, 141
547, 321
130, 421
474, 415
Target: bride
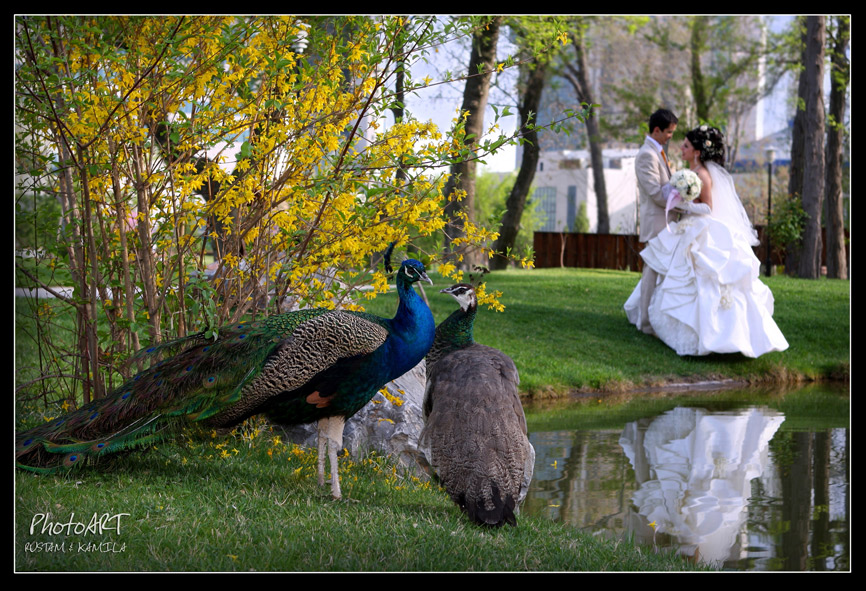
709, 298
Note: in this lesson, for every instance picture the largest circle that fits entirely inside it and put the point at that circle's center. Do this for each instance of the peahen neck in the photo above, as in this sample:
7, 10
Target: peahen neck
455, 332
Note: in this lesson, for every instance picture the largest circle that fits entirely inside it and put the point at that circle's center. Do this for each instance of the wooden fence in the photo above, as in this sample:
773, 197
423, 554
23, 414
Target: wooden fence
610, 251
593, 251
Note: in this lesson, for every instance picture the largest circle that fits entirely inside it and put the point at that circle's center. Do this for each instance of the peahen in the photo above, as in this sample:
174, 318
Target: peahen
474, 437
298, 367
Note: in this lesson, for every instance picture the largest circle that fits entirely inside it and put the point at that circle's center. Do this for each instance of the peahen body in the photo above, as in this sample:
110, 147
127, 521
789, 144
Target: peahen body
298, 367
474, 435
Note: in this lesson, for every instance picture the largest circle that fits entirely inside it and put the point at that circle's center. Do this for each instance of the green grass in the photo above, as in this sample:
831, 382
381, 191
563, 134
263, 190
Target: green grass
195, 508
567, 331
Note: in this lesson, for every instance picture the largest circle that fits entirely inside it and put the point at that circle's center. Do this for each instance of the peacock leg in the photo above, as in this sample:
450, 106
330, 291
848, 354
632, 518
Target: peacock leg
331, 434
335, 444
322, 443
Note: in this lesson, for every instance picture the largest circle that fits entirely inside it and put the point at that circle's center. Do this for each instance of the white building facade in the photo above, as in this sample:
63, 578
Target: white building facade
564, 181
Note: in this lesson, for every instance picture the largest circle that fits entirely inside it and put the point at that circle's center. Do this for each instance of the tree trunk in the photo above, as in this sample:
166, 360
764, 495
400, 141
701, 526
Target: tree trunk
122, 223
509, 227
145, 249
578, 79
697, 43
837, 264
90, 295
795, 180
798, 154
482, 59
813, 175
398, 110
599, 185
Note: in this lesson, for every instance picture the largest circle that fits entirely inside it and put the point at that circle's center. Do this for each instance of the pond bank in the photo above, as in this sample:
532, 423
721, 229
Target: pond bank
678, 385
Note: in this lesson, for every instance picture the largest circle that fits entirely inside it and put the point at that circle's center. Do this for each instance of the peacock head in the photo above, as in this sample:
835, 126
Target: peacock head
464, 294
412, 270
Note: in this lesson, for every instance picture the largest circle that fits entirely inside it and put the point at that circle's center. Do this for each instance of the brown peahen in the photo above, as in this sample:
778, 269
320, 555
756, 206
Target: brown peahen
474, 437
298, 367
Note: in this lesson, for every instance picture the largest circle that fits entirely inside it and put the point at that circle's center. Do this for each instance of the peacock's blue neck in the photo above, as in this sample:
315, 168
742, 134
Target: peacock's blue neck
413, 324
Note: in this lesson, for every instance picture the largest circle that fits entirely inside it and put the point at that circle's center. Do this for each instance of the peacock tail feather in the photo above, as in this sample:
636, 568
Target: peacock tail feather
189, 380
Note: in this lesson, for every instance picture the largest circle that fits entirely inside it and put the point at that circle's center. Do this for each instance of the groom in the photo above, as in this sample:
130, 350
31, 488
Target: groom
653, 172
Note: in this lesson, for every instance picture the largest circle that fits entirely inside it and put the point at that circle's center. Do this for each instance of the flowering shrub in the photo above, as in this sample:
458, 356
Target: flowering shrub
268, 139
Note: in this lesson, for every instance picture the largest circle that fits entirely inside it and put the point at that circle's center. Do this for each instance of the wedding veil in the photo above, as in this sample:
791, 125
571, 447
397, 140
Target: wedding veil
727, 207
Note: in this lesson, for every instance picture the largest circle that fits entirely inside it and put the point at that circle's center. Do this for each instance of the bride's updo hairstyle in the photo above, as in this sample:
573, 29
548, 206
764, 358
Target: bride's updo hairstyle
710, 142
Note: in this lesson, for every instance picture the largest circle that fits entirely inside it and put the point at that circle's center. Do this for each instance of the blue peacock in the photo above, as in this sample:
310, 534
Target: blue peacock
312, 365
474, 437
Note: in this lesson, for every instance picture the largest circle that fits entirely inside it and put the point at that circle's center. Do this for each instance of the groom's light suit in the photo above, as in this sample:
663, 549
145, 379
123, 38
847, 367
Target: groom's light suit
652, 174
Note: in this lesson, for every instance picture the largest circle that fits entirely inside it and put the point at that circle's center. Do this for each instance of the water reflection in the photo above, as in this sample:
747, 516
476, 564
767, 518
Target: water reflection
694, 471
745, 488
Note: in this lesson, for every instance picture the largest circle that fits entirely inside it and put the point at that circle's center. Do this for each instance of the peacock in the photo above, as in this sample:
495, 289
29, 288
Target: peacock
298, 367
474, 437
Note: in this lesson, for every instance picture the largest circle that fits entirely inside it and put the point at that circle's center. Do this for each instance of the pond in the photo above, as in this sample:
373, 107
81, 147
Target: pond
744, 480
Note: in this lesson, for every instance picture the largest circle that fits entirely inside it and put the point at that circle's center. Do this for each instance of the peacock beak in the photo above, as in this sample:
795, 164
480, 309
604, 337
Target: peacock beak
424, 277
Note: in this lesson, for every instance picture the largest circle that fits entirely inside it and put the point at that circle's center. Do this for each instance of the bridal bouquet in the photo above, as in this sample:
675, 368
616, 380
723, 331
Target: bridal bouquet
685, 186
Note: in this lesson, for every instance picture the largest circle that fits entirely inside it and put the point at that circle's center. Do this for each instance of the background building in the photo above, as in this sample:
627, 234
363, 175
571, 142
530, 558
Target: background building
564, 185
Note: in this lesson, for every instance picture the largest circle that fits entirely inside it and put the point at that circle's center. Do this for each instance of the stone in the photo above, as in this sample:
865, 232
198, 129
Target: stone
382, 425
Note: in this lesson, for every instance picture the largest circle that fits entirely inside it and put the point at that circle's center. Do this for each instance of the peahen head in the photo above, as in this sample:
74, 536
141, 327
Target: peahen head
411, 271
464, 294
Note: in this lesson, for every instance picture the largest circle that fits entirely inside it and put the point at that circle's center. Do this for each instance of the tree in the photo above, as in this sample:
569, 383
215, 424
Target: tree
460, 189
577, 74
798, 130
727, 53
532, 74
837, 264
813, 174
707, 72
697, 47
653, 75
531, 80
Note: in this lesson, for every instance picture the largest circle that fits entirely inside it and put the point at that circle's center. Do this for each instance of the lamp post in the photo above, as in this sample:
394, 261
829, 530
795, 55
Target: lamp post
771, 156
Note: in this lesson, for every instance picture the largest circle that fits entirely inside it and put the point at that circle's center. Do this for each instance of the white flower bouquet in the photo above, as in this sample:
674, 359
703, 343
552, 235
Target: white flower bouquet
687, 184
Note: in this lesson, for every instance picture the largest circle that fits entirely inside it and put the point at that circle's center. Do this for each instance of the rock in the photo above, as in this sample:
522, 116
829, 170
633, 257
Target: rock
388, 428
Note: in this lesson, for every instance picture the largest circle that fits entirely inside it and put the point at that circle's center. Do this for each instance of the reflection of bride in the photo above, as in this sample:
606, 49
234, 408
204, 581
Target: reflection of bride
695, 469
709, 298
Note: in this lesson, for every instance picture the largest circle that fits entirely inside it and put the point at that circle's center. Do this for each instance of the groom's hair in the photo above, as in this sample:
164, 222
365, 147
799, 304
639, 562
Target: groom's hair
662, 119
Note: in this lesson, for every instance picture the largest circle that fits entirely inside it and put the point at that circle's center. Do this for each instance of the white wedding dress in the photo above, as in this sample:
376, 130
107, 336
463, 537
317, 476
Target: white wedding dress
709, 298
